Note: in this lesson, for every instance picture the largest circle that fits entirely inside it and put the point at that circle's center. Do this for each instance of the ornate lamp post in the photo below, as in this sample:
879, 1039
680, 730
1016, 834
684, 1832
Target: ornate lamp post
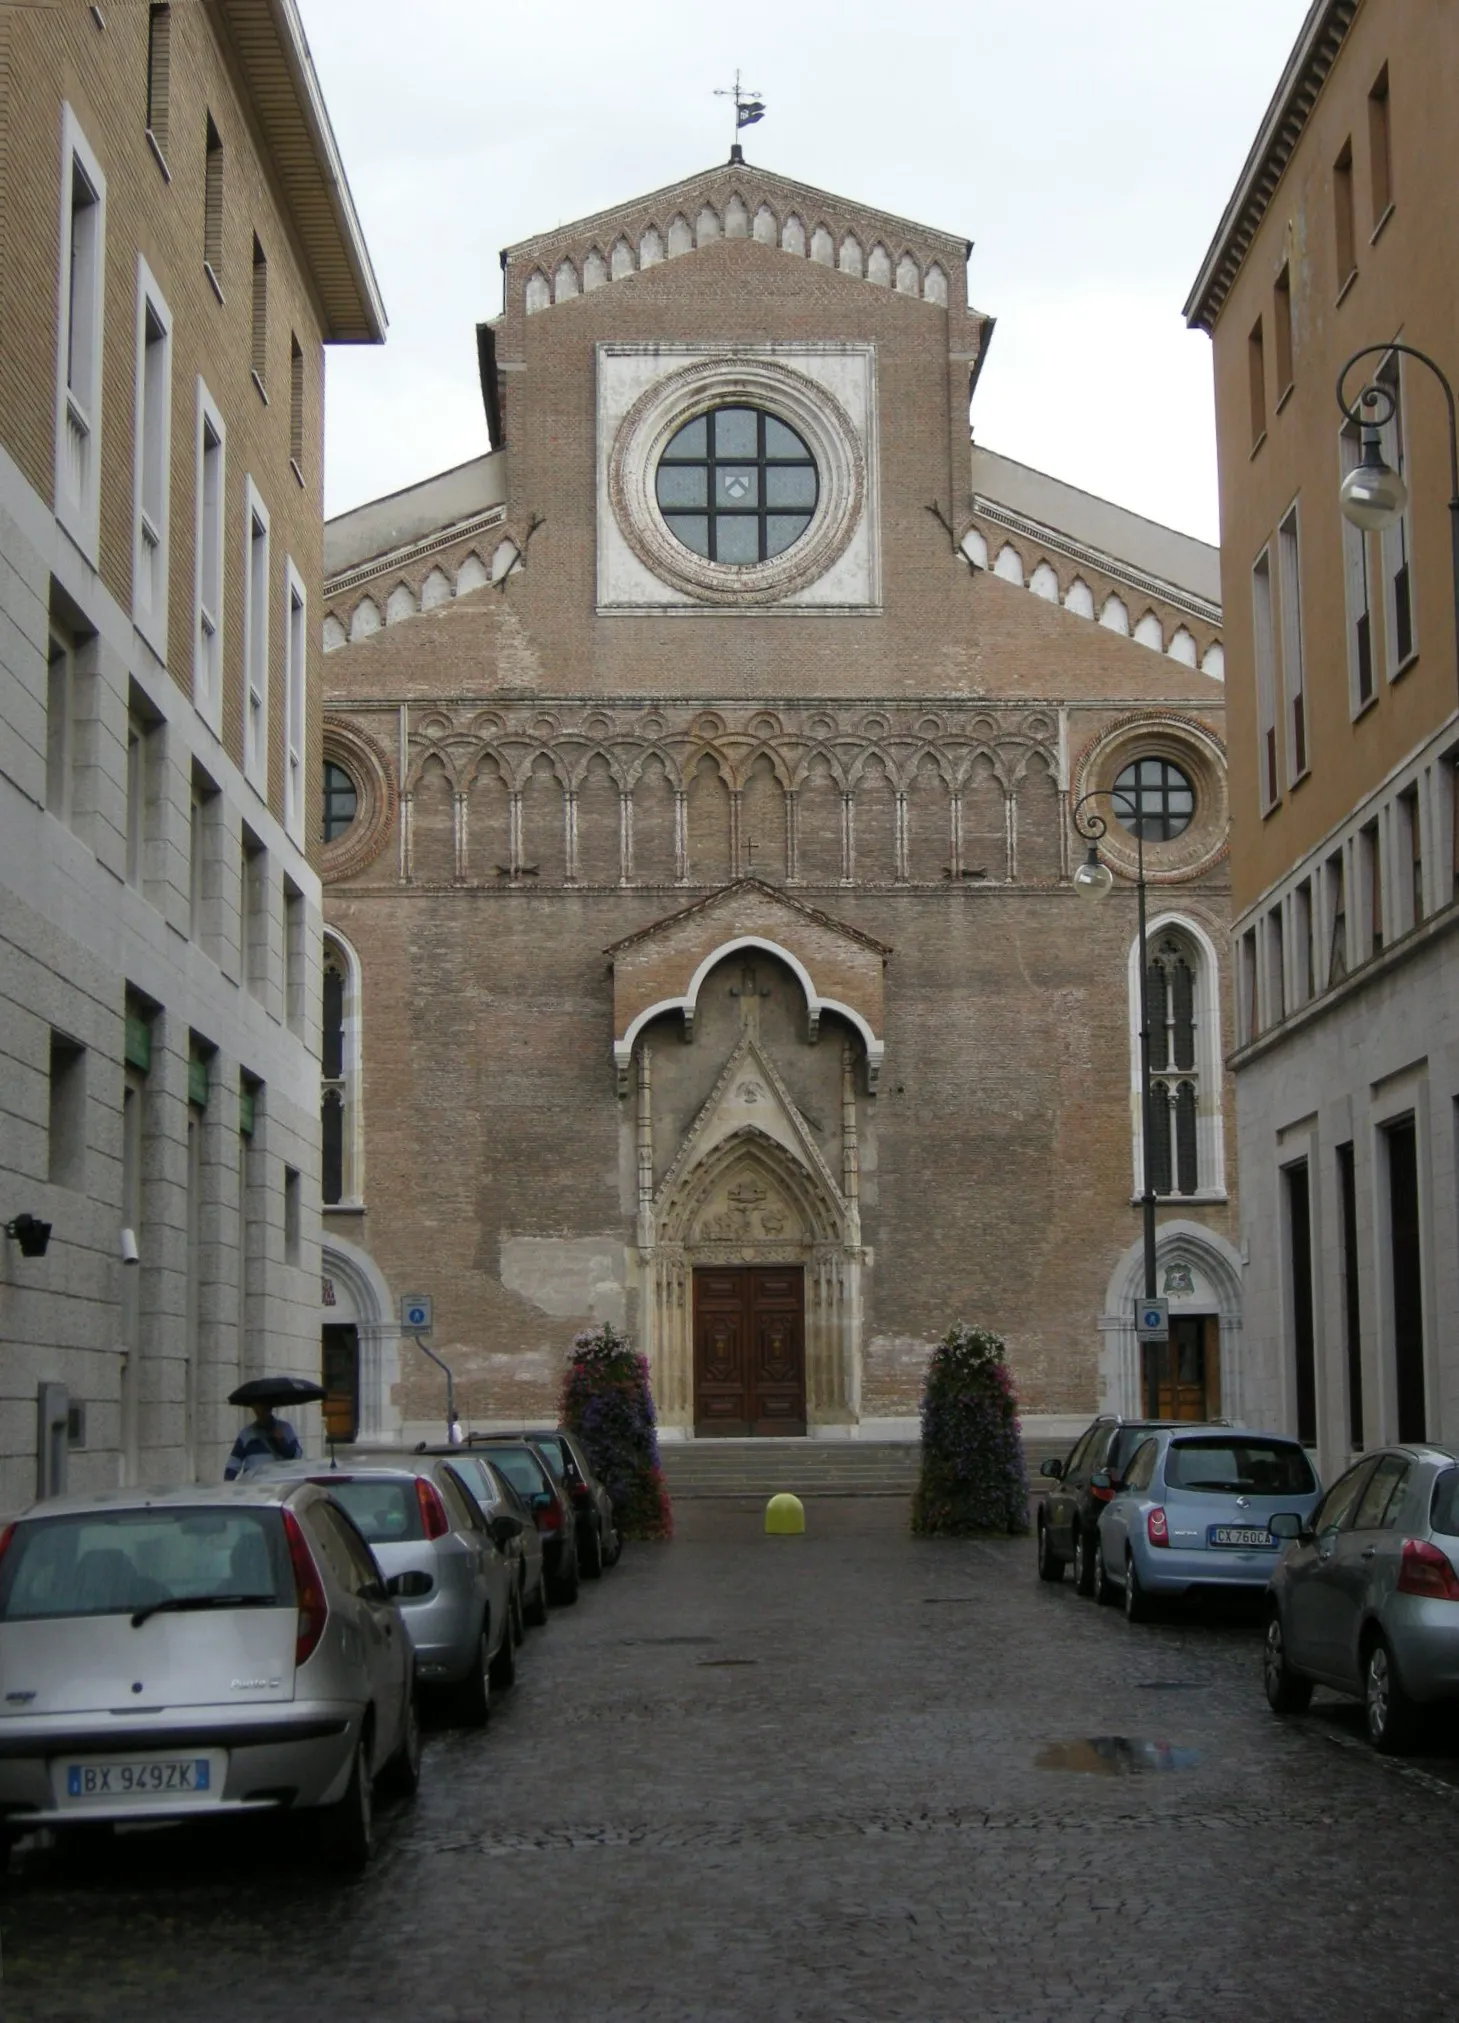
1373, 495
1094, 880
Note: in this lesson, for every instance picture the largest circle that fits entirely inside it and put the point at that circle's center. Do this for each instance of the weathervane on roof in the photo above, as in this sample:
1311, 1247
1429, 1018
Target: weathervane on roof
748, 108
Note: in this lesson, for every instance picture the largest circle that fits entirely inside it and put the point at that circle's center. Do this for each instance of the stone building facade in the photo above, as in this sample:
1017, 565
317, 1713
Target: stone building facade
1338, 239
700, 945
180, 245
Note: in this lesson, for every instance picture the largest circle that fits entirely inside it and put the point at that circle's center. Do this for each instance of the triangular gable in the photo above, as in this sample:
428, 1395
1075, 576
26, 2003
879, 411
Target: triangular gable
749, 1095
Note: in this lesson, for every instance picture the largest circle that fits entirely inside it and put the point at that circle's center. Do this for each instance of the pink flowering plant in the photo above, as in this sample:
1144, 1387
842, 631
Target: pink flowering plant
608, 1404
973, 1477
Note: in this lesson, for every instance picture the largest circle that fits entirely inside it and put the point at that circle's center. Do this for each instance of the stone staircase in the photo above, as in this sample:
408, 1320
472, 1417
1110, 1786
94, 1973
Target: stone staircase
760, 1468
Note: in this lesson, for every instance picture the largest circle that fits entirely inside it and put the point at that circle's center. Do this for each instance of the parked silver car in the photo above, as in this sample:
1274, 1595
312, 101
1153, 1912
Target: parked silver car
167, 1654
499, 1498
1366, 1597
417, 1518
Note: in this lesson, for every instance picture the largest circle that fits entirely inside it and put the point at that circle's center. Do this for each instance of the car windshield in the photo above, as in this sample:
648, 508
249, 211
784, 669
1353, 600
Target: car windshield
521, 1468
388, 1513
116, 1562
1237, 1466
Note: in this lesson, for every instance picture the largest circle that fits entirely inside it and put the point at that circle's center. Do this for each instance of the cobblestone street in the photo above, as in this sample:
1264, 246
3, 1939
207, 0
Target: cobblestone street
822, 1778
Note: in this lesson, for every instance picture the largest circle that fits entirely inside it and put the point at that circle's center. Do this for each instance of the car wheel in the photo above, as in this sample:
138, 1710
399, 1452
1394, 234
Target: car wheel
400, 1777
504, 1664
1392, 1716
1051, 1567
1138, 1606
535, 1611
590, 1558
347, 1829
1086, 1561
471, 1701
1287, 1691
1106, 1594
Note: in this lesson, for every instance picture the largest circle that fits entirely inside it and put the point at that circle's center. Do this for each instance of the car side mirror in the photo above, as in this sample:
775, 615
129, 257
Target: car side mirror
1288, 1524
1054, 1468
408, 1587
504, 1528
1102, 1479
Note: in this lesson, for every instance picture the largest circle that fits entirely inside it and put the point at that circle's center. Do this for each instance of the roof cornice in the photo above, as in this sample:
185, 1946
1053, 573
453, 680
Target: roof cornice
268, 41
1097, 559
1312, 57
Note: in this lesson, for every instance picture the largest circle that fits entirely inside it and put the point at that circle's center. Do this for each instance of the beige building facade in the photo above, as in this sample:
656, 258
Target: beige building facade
1342, 654
180, 245
701, 953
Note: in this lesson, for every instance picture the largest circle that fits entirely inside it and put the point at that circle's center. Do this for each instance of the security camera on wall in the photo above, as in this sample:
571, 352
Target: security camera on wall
130, 1254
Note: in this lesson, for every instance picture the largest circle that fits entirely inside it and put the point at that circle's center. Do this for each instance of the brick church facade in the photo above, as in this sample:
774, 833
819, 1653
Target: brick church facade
701, 952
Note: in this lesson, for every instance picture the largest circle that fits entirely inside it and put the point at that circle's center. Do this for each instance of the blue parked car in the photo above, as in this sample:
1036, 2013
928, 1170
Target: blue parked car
1192, 1511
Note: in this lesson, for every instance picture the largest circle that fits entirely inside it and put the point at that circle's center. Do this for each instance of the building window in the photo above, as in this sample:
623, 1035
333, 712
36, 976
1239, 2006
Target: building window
1396, 542
159, 76
1411, 853
1299, 1271
78, 408
252, 913
1303, 932
293, 1215
341, 801
295, 919
1256, 382
1294, 677
205, 832
152, 487
1347, 1187
340, 1076
211, 492
1337, 910
1185, 1155
60, 721
1250, 1024
1264, 646
1344, 241
737, 486
1380, 146
1355, 583
213, 208
1406, 1275
1282, 332
295, 688
67, 1138
144, 782
1154, 799
256, 641
1370, 857
1276, 966
296, 406
259, 352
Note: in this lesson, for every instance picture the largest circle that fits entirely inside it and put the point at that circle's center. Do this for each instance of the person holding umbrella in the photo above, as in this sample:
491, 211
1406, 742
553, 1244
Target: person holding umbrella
268, 1438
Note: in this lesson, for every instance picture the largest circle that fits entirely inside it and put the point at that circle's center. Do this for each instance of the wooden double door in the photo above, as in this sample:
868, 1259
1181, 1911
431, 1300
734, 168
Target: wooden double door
749, 1350
1183, 1375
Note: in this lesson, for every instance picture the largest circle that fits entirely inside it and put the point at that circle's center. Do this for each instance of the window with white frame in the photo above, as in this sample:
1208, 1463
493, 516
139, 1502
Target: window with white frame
1264, 655
295, 688
1357, 591
78, 365
255, 639
1294, 674
153, 460
1182, 992
1396, 544
209, 495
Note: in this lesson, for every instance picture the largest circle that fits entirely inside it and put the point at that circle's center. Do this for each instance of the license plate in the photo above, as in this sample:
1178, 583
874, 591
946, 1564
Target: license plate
1240, 1534
122, 1780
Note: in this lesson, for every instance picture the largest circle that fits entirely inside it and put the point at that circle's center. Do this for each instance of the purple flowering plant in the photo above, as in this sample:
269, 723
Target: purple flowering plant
607, 1402
973, 1477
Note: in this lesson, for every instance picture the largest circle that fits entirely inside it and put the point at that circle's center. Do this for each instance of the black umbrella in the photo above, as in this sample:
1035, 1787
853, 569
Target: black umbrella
277, 1391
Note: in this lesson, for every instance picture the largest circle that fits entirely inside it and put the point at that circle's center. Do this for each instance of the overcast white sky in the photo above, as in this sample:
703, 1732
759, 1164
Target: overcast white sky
1086, 149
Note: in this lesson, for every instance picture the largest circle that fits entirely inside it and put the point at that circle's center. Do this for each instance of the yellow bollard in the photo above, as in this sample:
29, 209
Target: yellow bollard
784, 1516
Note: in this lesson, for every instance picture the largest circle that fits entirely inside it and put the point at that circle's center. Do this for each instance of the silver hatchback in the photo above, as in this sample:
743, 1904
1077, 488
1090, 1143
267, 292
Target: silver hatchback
173, 1654
1366, 1597
417, 1518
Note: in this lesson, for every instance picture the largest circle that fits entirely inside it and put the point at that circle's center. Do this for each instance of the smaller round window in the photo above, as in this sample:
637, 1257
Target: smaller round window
341, 801
737, 485
1154, 800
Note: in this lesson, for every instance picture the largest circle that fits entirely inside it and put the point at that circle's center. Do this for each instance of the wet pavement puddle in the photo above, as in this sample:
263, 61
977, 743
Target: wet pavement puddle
1114, 1756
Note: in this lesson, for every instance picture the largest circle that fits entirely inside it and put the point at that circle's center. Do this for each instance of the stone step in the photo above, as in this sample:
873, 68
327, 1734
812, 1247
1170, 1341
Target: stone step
709, 1468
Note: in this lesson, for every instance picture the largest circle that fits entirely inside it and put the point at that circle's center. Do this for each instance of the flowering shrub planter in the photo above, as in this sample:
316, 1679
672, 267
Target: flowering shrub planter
973, 1476
607, 1403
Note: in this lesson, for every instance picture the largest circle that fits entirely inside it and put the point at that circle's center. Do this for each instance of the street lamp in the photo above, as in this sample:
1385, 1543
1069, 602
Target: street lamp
1095, 880
1373, 495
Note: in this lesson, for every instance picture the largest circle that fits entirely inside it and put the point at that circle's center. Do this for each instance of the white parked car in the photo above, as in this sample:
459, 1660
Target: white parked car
206, 1650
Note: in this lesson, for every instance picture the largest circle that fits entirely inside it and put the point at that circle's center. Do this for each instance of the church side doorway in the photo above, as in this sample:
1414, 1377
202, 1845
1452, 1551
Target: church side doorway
749, 1350
1183, 1375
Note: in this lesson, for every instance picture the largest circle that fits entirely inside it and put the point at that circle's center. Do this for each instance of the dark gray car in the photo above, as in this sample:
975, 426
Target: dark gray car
500, 1498
599, 1545
1366, 1596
